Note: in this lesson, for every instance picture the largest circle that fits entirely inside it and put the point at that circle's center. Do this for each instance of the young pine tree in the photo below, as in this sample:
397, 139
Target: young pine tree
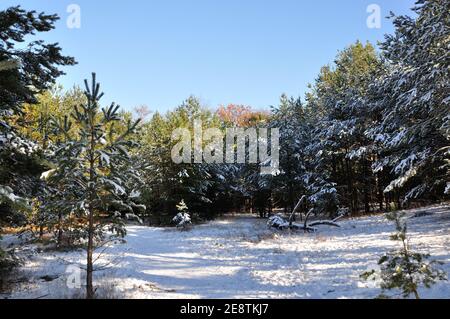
405, 269
91, 164
182, 219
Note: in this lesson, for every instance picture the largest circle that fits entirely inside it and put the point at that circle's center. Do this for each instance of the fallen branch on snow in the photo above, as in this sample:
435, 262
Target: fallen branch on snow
280, 223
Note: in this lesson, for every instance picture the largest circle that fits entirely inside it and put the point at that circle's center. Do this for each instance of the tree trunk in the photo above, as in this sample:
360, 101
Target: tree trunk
291, 197
399, 203
380, 191
351, 190
366, 187
270, 203
89, 264
90, 247
60, 230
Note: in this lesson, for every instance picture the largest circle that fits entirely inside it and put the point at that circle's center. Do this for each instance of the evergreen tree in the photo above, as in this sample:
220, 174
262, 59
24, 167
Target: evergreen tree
27, 72
90, 179
182, 219
167, 183
23, 74
290, 119
340, 153
413, 97
405, 269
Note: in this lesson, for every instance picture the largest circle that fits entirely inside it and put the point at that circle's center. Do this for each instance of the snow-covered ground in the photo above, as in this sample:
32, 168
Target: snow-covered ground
240, 258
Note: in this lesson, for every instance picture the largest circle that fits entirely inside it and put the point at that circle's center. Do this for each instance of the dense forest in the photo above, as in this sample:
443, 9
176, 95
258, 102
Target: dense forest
371, 135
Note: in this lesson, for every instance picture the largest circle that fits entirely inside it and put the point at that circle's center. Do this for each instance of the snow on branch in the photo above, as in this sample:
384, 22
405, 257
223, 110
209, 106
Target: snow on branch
182, 220
280, 223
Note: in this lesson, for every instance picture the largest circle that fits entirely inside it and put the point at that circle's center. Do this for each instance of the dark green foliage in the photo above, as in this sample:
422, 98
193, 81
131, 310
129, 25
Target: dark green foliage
412, 99
92, 180
167, 183
37, 65
23, 74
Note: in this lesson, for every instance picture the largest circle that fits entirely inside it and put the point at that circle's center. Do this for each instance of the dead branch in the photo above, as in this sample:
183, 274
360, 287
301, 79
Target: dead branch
280, 223
300, 202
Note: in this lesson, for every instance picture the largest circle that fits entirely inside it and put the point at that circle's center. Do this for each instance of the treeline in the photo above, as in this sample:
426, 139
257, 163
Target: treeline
372, 134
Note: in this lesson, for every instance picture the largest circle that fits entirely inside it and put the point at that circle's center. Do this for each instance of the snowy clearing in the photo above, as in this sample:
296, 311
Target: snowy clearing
240, 257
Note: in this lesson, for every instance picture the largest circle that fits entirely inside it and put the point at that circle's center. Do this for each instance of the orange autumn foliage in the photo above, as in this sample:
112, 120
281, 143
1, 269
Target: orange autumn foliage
241, 115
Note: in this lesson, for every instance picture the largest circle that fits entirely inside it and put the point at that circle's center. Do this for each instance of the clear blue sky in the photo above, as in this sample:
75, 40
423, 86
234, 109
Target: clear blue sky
231, 51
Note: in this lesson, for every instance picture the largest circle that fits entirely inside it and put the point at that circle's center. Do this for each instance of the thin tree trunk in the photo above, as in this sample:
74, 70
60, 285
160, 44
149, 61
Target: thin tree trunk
408, 263
399, 203
380, 191
351, 189
366, 187
89, 265
60, 230
90, 248
270, 205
